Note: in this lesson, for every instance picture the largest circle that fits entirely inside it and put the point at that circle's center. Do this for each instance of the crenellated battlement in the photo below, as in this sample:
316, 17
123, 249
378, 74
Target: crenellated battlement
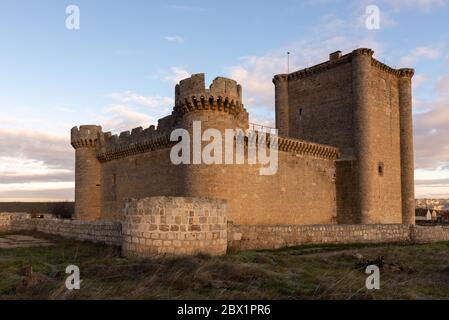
139, 140
406, 72
303, 147
296, 146
336, 60
201, 102
85, 136
363, 51
223, 95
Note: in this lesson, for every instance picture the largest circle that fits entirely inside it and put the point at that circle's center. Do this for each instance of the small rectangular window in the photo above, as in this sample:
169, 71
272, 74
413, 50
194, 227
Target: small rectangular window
114, 179
381, 169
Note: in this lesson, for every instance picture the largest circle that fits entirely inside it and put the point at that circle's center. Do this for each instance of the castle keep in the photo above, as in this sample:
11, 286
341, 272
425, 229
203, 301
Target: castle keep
364, 108
345, 157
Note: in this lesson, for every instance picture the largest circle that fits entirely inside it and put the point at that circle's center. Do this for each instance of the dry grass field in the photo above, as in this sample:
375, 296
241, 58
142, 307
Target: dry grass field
306, 272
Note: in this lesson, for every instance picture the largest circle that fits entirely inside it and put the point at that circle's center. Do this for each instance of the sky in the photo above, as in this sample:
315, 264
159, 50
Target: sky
120, 67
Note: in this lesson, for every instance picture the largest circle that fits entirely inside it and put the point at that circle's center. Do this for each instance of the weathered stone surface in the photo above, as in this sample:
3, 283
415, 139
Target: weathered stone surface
363, 107
94, 231
172, 233
137, 241
273, 237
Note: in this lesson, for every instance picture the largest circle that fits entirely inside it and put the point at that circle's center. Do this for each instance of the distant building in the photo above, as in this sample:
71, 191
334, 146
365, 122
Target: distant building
434, 215
423, 214
444, 216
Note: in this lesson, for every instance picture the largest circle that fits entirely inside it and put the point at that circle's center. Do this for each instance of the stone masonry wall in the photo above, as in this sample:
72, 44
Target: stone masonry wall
205, 231
5, 222
275, 237
8, 220
302, 192
352, 102
171, 225
429, 234
98, 232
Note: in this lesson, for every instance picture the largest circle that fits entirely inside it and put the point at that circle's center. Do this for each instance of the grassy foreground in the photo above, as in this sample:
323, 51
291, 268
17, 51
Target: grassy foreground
307, 272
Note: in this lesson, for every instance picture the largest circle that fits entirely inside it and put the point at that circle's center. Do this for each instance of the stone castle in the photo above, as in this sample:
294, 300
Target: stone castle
345, 157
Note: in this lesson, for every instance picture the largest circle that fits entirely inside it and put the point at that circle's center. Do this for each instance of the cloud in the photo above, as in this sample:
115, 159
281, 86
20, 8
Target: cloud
52, 150
431, 135
176, 39
432, 182
44, 186
419, 53
129, 110
50, 191
419, 80
442, 86
431, 143
35, 165
431, 128
255, 73
146, 101
177, 74
21, 170
8, 120
431, 132
433, 191
123, 118
435, 186
426, 5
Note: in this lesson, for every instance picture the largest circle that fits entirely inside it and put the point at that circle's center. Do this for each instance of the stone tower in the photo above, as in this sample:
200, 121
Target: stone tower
88, 173
363, 107
217, 107
407, 156
220, 106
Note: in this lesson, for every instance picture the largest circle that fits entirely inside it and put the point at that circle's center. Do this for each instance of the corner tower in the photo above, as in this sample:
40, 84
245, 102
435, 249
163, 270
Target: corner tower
407, 157
281, 104
363, 107
88, 173
219, 107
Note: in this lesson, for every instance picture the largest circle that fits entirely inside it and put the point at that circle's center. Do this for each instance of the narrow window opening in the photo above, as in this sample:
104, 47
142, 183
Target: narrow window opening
381, 169
114, 179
